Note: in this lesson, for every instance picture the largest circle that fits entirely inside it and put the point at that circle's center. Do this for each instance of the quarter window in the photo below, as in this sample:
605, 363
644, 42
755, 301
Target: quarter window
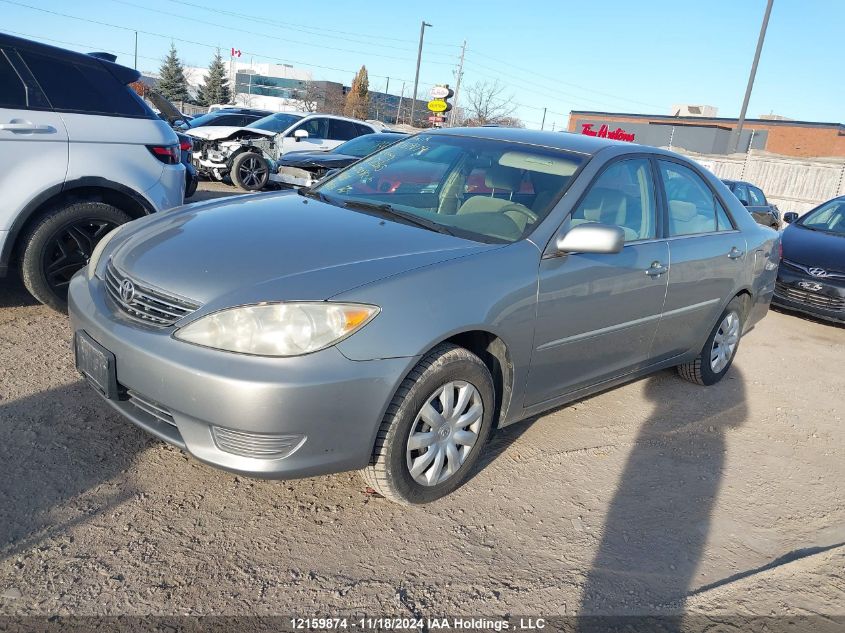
12, 91
623, 195
692, 206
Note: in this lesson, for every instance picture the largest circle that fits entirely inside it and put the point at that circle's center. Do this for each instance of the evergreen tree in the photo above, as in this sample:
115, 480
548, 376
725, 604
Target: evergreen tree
172, 83
216, 86
358, 100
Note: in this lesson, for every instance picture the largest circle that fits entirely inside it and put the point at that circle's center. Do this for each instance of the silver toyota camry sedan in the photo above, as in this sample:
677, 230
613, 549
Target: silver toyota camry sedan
388, 318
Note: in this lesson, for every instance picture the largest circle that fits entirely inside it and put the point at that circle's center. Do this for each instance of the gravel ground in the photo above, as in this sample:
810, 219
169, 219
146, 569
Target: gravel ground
656, 497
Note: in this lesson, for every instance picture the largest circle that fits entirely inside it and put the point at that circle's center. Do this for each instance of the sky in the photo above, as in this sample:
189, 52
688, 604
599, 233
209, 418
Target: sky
608, 55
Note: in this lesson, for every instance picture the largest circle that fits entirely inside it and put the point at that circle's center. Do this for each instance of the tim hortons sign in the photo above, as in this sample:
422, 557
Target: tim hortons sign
605, 132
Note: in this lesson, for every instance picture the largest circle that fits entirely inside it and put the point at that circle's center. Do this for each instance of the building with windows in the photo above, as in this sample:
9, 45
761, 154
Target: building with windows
714, 135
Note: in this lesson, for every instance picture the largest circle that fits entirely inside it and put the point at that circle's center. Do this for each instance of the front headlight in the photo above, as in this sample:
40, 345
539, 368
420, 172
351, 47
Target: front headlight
278, 329
98, 250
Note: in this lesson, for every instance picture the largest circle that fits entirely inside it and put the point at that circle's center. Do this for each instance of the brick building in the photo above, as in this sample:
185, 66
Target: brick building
713, 135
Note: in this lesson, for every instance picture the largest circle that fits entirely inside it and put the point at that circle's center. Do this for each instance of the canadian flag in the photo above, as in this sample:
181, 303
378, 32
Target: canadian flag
236, 52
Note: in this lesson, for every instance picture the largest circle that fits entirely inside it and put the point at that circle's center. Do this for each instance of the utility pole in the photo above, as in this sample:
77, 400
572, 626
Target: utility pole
741, 122
417, 75
543, 122
457, 86
399, 107
136, 50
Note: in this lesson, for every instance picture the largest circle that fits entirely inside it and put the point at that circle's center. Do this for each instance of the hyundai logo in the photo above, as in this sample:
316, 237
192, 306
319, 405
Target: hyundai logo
127, 291
817, 272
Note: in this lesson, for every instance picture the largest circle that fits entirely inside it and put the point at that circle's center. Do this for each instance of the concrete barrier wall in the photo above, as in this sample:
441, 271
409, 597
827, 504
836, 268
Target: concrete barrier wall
794, 184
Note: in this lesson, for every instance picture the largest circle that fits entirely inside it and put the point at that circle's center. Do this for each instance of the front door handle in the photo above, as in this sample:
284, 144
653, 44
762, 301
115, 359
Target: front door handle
735, 253
656, 269
26, 126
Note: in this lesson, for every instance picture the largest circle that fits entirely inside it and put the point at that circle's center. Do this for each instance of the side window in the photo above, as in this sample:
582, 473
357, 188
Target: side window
342, 130
757, 197
623, 195
362, 129
83, 86
692, 206
316, 128
741, 192
12, 90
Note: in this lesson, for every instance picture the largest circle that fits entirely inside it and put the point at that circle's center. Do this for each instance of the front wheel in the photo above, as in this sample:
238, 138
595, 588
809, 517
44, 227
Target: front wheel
250, 171
434, 429
719, 351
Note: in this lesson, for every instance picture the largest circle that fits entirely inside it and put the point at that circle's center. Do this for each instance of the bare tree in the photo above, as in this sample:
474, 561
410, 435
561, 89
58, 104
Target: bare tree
310, 98
485, 102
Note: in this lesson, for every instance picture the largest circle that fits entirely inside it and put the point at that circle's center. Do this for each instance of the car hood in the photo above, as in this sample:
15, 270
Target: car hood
218, 132
317, 159
814, 248
276, 246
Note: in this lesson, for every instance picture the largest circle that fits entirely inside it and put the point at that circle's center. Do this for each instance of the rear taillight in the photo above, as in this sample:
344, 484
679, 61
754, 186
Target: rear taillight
167, 154
186, 145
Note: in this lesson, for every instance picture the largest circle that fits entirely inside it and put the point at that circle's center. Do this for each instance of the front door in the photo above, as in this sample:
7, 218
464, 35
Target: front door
706, 255
597, 313
317, 139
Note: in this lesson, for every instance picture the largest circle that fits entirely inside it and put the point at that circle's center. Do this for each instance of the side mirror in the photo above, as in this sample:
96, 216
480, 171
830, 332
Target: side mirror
591, 237
298, 135
790, 217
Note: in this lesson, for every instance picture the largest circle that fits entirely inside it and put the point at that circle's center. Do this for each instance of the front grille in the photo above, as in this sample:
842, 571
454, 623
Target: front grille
258, 445
145, 303
150, 407
811, 299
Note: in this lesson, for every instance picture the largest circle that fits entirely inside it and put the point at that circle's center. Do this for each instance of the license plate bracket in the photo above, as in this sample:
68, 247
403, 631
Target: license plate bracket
96, 364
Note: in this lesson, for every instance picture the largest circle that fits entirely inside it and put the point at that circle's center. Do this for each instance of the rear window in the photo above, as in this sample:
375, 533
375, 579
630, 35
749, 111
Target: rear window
83, 86
12, 91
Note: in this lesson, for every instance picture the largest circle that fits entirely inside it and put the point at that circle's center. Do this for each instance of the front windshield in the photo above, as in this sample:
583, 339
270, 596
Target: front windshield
365, 145
829, 218
477, 188
278, 122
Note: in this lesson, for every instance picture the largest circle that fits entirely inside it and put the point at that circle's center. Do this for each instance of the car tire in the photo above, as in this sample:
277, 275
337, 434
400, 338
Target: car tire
250, 171
447, 369
60, 244
718, 353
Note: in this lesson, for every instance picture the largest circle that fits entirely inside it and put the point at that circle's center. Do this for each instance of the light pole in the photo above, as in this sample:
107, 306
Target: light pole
417, 75
741, 122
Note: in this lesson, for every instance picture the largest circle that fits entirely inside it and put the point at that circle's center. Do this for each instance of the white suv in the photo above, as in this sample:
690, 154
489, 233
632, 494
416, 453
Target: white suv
80, 153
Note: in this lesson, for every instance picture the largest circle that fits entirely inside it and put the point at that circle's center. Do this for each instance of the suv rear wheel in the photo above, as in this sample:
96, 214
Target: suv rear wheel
60, 244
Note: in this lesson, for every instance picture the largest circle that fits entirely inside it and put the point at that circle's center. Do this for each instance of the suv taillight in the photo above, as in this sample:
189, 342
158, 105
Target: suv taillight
167, 154
186, 145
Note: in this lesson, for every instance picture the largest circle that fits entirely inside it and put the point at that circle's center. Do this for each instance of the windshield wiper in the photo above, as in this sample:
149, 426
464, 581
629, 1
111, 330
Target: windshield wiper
308, 192
389, 210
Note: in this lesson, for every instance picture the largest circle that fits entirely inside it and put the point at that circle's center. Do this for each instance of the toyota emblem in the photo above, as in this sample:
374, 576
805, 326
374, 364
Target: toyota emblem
127, 291
818, 272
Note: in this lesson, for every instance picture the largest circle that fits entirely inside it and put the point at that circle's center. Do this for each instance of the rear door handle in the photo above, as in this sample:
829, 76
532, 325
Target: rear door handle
735, 253
656, 269
26, 127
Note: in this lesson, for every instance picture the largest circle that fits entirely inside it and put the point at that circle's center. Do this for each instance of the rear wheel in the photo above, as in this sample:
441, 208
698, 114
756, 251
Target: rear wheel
719, 351
61, 244
250, 171
434, 429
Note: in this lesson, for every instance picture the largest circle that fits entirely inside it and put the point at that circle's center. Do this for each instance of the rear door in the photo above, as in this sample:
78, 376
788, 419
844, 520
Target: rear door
33, 140
597, 313
706, 255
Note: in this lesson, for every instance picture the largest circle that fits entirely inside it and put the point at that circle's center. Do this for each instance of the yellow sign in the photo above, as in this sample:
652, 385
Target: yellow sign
438, 105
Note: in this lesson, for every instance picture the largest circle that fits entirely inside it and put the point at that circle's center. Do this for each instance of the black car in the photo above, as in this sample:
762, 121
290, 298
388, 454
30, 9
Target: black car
234, 117
811, 276
755, 201
303, 169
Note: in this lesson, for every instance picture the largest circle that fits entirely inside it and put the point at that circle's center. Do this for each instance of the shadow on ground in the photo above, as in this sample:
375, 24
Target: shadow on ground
12, 292
57, 445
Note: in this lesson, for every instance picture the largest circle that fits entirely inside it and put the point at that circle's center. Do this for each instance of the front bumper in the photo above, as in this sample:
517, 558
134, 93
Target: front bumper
202, 400
294, 177
818, 297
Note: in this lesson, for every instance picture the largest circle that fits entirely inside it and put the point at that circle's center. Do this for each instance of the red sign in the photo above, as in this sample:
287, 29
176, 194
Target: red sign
436, 119
604, 132
236, 52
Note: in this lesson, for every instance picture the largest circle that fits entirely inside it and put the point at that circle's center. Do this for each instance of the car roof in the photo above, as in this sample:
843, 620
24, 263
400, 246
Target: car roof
580, 143
123, 74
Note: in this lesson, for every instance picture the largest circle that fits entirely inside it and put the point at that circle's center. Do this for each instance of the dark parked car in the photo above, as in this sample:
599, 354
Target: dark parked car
755, 201
811, 276
231, 117
186, 147
305, 168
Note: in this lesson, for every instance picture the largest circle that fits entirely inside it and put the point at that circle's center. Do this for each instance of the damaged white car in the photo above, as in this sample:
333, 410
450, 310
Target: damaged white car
249, 155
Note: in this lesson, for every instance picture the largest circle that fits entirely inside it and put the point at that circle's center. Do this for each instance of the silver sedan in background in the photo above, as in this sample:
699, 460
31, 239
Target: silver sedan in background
390, 317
